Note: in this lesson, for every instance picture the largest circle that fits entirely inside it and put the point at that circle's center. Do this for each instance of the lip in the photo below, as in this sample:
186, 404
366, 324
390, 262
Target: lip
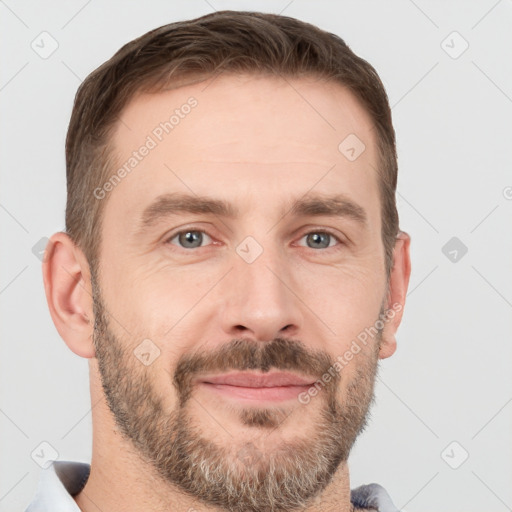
257, 386
259, 380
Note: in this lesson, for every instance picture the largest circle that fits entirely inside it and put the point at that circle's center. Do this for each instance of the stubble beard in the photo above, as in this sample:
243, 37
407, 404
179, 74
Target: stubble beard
244, 476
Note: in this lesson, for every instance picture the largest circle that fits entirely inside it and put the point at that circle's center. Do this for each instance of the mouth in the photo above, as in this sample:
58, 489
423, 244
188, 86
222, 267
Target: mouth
256, 387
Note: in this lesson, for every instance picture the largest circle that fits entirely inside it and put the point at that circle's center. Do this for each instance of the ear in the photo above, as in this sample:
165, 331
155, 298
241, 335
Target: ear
67, 284
397, 290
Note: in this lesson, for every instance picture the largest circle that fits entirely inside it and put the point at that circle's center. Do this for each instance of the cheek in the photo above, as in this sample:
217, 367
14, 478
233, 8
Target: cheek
151, 297
160, 300
346, 300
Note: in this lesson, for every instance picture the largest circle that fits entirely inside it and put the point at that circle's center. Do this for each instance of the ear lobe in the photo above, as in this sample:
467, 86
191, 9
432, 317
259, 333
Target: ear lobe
67, 286
397, 291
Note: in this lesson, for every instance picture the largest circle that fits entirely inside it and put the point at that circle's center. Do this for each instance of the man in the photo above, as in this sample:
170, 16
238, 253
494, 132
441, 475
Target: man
232, 269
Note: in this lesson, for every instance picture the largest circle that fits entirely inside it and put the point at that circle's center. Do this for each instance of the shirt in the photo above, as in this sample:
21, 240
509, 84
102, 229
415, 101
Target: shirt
64, 479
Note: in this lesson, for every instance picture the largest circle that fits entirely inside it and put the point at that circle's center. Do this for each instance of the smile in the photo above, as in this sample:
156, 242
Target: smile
257, 387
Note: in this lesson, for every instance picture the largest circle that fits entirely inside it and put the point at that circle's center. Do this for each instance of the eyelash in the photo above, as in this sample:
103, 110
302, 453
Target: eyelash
340, 245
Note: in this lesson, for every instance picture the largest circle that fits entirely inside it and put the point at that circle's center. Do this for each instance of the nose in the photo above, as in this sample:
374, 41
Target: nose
260, 300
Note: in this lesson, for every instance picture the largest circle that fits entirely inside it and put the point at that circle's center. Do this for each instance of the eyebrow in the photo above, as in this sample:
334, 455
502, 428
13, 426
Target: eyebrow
312, 205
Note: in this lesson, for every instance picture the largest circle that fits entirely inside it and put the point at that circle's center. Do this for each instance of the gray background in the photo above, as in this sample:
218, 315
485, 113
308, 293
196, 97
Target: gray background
450, 379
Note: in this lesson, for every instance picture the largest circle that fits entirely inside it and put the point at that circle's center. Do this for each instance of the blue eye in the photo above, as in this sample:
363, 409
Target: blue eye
189, 239
320, 239
194, 239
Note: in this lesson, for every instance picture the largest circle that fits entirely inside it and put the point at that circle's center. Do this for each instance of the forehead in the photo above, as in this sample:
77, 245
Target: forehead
255, 110
240, 136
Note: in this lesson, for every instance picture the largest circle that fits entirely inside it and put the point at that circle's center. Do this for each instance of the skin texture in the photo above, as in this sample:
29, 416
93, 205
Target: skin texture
258, 143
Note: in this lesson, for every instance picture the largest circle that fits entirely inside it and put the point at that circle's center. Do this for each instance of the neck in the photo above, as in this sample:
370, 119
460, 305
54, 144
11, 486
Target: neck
114, 486
120, 480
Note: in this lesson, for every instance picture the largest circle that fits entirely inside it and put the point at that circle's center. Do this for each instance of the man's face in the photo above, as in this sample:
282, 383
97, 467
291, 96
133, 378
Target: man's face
207, 340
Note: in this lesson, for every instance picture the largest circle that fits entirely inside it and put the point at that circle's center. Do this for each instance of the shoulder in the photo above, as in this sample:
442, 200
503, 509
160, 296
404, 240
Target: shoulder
372, 497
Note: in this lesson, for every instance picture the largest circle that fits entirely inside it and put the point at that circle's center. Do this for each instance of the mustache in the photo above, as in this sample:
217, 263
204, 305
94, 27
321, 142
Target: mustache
243, 354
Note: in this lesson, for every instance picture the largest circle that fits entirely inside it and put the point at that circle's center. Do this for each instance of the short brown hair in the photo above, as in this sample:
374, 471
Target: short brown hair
232, 41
